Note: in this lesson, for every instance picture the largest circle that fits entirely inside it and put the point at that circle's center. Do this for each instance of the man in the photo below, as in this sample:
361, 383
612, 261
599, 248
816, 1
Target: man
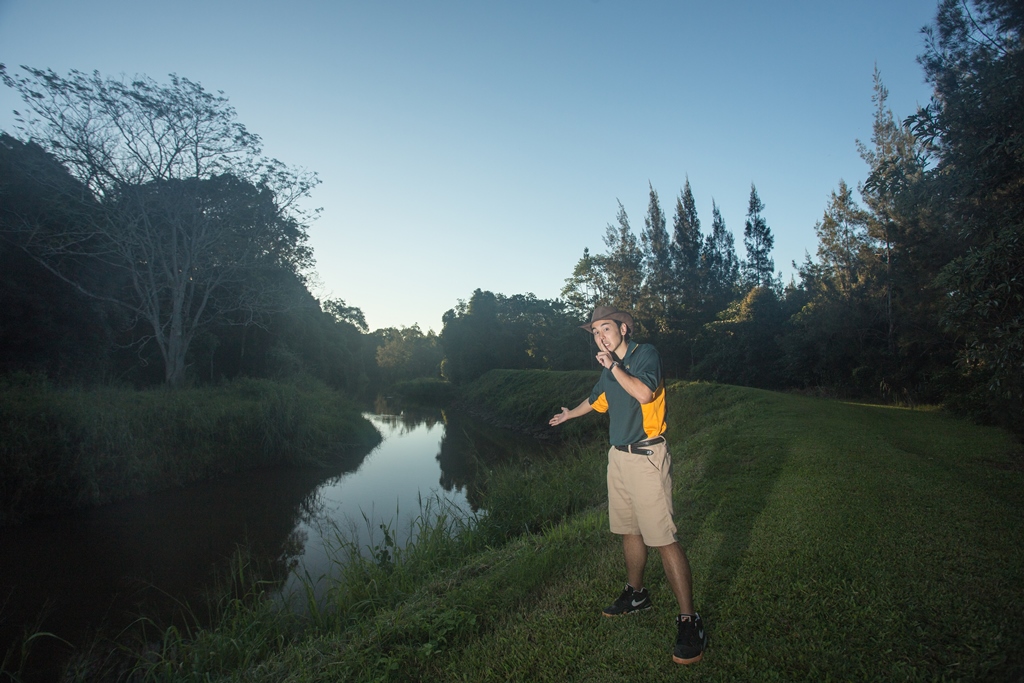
631, 390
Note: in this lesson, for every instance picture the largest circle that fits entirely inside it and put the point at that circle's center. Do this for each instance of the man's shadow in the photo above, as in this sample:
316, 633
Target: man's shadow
723, 481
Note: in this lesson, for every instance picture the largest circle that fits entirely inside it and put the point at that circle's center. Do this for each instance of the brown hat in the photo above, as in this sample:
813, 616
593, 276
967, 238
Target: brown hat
609, 313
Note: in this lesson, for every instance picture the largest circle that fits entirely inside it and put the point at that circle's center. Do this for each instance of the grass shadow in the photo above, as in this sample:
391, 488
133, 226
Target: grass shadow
727, 459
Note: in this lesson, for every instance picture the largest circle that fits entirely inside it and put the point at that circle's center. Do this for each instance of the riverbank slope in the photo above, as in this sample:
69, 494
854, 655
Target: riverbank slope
67, 448
828, 540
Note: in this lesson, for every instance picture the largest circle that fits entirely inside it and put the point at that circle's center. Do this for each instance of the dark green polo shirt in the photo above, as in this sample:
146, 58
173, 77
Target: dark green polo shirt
629, 421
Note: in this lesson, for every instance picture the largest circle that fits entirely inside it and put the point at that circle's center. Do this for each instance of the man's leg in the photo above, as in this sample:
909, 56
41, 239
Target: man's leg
677, 572
635, 550
691, 639
634, 597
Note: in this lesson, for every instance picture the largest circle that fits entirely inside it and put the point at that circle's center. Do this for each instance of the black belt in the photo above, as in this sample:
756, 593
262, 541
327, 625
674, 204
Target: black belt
638, 447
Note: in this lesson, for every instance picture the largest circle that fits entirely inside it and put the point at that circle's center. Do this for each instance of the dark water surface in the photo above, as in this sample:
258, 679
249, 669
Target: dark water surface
104, 568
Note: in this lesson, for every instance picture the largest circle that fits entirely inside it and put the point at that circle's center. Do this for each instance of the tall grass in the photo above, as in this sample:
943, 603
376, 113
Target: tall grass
68, 448
385, 604
248, 628
828, 541
525, 400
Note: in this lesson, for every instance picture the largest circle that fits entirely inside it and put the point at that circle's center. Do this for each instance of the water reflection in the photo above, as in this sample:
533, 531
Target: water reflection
469, 448
407, 417
102, 568
391, 487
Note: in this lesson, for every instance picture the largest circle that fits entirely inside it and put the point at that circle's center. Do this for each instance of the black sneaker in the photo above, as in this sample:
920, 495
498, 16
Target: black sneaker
691, 639
630, 601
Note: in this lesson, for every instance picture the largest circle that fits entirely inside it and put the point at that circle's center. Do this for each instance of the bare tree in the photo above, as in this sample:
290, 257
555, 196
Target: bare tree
174, 196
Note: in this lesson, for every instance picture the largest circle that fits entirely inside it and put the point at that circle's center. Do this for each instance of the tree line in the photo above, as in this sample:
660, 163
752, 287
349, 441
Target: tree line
145, 238
915, 293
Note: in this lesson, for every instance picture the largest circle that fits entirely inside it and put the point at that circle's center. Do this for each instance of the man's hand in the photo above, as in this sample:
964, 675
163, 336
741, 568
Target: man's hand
582, 409
605, 358
560, 418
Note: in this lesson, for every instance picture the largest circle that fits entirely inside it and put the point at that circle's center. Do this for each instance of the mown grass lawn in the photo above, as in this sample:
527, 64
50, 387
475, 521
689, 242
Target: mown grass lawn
828, 541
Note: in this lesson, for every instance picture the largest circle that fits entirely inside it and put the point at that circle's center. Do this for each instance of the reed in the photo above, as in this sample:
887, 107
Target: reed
64, 448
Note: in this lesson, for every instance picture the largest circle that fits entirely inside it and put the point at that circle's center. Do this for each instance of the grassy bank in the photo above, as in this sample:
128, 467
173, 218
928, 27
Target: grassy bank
829, 541
67, 448
524, 400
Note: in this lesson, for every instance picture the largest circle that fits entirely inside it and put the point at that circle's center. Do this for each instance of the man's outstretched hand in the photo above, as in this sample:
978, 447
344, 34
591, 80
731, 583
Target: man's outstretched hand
560, 417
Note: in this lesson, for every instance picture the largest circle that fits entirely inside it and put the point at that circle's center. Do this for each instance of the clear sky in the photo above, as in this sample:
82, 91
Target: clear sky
483, 144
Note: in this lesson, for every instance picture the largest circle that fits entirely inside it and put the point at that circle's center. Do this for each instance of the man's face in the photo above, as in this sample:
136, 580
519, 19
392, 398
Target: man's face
608, 334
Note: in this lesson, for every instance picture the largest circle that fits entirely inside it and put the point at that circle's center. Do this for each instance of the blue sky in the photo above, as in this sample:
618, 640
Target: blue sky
466, 145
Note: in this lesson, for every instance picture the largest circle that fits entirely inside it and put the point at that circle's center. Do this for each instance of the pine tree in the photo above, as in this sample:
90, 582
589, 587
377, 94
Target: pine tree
719, 263
623, 264
893, 197
758, 267
686, 249
659, 284
843, 240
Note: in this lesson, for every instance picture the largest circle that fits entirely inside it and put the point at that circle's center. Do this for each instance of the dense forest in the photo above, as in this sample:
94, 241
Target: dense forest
145, 239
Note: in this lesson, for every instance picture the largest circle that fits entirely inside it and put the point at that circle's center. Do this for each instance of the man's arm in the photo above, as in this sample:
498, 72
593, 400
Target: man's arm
634, 386
582, 409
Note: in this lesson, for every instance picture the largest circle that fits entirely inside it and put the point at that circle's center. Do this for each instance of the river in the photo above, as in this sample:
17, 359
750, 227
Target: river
103, 568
